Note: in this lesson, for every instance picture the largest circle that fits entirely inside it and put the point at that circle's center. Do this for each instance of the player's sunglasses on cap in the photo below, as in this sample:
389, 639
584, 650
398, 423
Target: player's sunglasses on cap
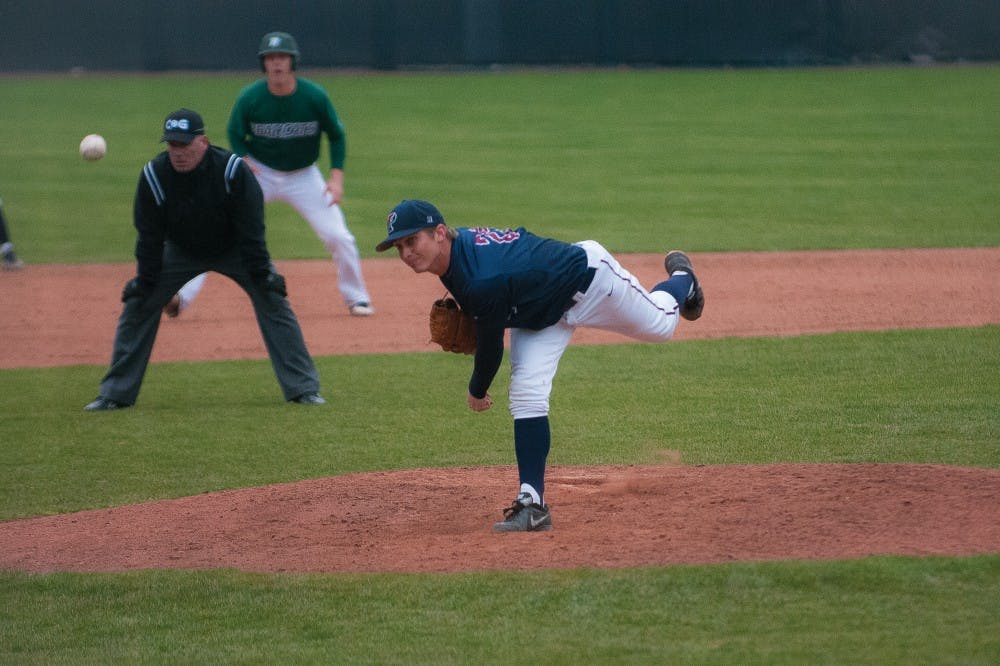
407, 218
183, 126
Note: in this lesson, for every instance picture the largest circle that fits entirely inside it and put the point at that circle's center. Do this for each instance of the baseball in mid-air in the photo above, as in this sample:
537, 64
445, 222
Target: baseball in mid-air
93, 147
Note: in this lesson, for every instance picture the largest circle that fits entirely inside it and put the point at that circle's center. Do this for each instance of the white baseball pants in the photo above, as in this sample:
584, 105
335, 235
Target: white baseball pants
615, 301
304, 190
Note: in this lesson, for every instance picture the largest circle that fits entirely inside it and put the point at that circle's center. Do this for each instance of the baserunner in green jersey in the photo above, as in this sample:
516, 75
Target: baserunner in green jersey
277, 125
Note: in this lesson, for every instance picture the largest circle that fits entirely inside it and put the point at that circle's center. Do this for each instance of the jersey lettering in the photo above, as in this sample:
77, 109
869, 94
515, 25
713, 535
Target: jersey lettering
485, 236
285, 130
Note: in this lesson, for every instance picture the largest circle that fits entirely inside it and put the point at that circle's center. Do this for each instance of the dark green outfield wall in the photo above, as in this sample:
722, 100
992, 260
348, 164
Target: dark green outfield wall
50, 35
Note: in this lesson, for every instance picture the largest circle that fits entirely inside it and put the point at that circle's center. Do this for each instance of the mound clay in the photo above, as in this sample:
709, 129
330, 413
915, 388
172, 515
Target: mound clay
439, 519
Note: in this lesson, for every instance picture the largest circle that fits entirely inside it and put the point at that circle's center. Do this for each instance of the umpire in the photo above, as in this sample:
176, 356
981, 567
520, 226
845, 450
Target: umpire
198, 208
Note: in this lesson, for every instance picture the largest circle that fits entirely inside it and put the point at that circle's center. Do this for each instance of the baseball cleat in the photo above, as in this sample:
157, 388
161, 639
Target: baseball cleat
525, 516
11, 262
362, 309
173, 306
695, 302
309, 399
103, 405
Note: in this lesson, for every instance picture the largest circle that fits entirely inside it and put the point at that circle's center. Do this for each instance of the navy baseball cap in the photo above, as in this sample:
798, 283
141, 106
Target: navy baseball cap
407, 218
183, 125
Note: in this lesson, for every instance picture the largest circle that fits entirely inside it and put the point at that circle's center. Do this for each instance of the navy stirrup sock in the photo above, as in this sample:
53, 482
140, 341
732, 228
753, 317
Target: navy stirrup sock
532, 440
678, 286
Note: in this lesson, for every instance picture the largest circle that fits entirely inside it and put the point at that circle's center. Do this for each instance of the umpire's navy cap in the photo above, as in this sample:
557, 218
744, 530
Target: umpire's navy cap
183, 125
407, 218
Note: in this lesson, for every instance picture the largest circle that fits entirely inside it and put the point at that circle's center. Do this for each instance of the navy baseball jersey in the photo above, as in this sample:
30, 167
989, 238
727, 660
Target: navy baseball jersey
511, 278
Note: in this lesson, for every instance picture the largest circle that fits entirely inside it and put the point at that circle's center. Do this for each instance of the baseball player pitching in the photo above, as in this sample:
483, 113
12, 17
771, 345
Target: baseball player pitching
276, 125
542, 289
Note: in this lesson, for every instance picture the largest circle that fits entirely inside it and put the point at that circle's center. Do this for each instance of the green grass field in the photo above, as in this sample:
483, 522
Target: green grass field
712, 160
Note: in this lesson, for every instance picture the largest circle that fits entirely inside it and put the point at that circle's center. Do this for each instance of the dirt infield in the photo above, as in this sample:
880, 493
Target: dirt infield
65, 315
604, 516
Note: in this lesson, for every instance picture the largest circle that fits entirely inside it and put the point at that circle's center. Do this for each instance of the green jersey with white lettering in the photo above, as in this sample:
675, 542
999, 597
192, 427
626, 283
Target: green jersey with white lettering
284, 132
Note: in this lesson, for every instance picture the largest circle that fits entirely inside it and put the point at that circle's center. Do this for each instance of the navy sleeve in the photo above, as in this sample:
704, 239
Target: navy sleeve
489, 354
488, 301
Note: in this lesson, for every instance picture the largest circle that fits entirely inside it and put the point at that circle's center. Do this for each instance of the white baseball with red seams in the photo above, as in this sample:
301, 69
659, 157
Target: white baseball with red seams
93, 147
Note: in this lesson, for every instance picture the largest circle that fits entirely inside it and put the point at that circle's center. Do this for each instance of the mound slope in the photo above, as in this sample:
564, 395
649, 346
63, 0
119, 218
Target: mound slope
604, 517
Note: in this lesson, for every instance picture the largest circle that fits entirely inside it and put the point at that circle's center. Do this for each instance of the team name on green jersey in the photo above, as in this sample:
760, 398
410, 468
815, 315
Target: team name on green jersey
285, 130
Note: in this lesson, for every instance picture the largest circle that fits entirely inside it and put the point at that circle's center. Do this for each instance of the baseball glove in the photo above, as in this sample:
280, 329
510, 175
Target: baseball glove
452, 327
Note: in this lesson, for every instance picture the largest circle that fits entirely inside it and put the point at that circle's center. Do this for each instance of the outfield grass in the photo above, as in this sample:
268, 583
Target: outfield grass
705, 160
876, 611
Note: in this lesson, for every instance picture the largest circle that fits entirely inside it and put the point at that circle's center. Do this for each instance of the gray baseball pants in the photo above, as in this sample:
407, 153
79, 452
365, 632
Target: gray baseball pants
140, 321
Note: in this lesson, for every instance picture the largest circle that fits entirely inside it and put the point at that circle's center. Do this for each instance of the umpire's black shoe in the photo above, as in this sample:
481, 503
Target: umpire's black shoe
692, 306
103, 405
309, 399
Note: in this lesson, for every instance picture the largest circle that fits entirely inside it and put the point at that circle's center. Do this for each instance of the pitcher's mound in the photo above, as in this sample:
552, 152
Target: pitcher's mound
441, 519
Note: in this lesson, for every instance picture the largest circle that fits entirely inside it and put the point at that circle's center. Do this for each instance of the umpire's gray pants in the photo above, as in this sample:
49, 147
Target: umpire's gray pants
140, 321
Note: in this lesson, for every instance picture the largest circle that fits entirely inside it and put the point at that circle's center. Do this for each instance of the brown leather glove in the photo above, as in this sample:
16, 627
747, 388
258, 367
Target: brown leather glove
452, 328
